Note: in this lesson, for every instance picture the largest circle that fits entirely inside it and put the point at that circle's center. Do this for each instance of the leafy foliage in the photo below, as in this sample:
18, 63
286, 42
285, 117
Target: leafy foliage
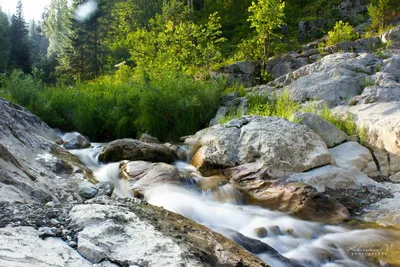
342, 31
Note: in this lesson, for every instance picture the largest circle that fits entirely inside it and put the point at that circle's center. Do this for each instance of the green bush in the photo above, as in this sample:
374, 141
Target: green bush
340, 33
167, 106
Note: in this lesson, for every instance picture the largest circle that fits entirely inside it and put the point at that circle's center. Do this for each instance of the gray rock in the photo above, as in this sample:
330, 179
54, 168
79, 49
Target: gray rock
393, 35
75, 140
87, 189
381, 124
350, 8
274, 142
45, 232
131, 149
146, 138
29, 159
326, 130
21, 247
105, 189
113, 231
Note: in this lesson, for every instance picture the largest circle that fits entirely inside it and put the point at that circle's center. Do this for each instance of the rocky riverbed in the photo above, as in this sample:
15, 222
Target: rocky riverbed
254, 191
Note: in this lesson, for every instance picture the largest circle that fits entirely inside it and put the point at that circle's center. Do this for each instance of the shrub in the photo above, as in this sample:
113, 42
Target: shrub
340, 33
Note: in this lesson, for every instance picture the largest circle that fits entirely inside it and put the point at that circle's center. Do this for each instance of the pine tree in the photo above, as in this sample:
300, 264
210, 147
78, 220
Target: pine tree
20, 49
4, 41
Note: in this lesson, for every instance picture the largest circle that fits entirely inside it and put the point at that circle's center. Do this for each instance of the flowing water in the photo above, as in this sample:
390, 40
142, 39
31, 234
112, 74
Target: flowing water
303, 242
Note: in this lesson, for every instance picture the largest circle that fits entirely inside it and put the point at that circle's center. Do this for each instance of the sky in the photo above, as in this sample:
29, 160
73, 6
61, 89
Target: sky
33, 9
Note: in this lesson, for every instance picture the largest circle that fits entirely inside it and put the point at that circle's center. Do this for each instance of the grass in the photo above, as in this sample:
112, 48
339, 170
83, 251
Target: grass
167, 106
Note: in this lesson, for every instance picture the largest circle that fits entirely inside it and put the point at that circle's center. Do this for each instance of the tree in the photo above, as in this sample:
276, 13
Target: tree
4, 41
265, 17
20, 50
379, 14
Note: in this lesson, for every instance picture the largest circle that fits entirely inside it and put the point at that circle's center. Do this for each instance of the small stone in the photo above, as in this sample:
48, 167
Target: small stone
261, 232
54, 222
73, 244
45, 232
275, 230
50, 205
105, 189
87, 190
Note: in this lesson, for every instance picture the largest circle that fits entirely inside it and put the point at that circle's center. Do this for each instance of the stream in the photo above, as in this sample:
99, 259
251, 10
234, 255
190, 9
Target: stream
303, 242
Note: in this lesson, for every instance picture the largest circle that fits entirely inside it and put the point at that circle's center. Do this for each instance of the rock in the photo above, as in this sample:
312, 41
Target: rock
393, 35
282, 65
87, 189
131, 149
32, 165
113, 231
21, 247
351, 154
351, 8
273, 142
326, 177
75, 140
326, 130
211, 182
297, 199
146, 138
381, 124
247, 73
45, 232
261, 232
312, 29
105, 189
141, 175
335, 78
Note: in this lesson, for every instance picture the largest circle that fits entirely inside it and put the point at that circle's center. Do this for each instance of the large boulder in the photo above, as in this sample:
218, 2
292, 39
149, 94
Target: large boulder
33, 168
121, 232
274, 142
267, 189
75, 140
131, 149
140, 175
328, 132
381, 125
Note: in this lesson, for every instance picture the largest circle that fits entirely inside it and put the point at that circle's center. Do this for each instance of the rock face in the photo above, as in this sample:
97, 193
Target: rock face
133, 234
142, 175
32, 166
266, 189
274, 142
75, 141
247, 73
131, 149
326, 130
392, 35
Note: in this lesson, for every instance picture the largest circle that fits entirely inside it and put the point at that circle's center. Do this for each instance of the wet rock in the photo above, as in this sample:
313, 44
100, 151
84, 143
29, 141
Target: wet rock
117, 229
75, 140
146, 138
211, 182
105, 189
131, 149
273, 191
87, 189
261, 232
326, 130
141, 175
274, 142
